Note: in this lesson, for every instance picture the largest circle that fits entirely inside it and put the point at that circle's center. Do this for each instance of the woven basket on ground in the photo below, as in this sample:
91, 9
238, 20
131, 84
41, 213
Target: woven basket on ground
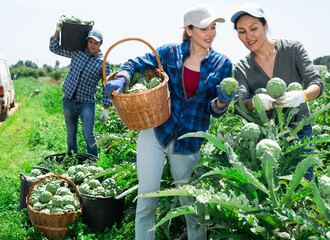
143, 110
52, 225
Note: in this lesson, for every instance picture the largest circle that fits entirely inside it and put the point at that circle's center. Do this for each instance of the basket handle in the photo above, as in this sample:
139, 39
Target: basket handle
125, 40
54, 176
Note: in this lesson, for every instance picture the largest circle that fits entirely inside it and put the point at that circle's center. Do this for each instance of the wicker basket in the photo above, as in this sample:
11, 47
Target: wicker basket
52, 225
144, 110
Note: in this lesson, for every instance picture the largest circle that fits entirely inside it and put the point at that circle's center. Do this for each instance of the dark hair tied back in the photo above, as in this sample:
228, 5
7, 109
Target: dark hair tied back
185, 36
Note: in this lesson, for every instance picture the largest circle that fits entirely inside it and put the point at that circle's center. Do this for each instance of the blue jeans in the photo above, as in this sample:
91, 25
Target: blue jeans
86, 111
150, 164
306, 131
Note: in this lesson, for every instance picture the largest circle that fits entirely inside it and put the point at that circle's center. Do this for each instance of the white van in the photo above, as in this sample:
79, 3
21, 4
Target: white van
7, 93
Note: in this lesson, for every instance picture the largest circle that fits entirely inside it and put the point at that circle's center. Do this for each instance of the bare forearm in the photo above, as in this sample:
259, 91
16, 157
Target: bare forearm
313, 91
56, 35
248, 104
221, 105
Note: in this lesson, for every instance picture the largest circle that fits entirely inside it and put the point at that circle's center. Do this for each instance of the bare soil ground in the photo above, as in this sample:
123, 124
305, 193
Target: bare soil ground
53, 81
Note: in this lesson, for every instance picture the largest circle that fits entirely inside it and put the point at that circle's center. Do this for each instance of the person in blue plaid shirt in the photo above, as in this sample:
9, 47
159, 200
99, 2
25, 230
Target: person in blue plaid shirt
195, 71
80, 87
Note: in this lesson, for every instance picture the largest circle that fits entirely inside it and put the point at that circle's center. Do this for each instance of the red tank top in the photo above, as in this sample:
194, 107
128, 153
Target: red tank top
190, 79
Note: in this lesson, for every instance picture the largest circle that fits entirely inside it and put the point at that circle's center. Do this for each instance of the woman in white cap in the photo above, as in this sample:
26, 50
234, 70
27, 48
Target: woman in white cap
195, 71
270, 58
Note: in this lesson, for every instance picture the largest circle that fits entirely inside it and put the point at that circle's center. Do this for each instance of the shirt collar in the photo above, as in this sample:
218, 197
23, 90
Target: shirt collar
100, 55
185, 52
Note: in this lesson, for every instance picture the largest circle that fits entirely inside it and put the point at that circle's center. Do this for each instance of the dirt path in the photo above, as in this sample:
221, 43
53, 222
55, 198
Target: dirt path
52, 81
12, 110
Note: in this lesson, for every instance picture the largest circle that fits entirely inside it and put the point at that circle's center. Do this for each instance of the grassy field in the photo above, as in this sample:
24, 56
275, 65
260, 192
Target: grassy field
37, 130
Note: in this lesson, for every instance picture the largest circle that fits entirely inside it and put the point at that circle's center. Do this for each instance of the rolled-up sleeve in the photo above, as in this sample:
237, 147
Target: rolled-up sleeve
106, 99
307, 70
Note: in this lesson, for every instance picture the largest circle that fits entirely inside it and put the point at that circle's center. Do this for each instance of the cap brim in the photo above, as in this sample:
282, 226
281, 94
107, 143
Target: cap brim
206, 22
95, 38
236, 15
220, 20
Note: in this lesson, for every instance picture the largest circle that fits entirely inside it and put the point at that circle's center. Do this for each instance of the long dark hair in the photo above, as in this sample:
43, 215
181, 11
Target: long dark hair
262, 20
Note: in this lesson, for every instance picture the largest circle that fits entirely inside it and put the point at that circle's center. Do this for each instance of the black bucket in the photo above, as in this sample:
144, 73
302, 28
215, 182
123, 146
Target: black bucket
73, 35
26, 185
67, 160
101, 213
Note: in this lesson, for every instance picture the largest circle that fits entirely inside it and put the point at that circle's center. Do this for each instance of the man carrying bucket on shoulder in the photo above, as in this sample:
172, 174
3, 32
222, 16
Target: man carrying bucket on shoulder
80, 87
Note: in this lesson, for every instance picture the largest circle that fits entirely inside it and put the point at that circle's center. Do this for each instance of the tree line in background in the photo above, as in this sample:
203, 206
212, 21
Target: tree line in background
322, 61
30, 69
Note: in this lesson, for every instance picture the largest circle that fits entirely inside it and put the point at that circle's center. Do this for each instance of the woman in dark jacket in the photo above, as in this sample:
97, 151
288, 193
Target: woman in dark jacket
270, 58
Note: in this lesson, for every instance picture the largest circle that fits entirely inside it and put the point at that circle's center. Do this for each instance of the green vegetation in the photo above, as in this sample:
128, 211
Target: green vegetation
260, 90
141, 83
276, 87
270, 146
324, 187
37, 130
229, 85
251, 131
77, 20
238, 193
248, 191
294, 86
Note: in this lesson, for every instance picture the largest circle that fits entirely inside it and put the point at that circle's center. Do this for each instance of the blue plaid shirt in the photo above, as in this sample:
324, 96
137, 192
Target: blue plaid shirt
84, 74
187, 115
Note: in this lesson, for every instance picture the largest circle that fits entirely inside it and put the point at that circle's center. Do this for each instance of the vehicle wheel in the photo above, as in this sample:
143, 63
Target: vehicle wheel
3, 116
12, 105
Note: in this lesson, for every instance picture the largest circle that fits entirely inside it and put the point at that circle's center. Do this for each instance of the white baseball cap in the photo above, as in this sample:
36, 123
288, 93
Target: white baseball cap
252, 9
200, 16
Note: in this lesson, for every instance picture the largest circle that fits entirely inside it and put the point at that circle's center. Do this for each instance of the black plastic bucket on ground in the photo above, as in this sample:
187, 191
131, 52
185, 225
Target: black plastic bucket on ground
26, 185
73, 35
67, 159
101, 213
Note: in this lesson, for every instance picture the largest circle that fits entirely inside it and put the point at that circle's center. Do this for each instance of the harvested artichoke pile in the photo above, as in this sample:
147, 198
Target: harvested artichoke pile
34, 175
51, 196
81, 175
97, 188
78, 173
100, 187
141, 83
